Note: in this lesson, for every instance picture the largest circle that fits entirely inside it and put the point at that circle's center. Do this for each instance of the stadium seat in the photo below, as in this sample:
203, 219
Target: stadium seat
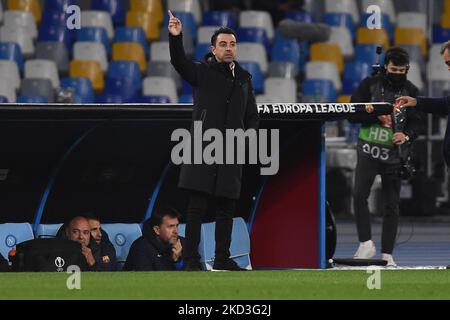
58, 5
125, 88
90, 70
410, 36
42, 69
53, 18
446, 5
267, 98
154, 99
9, 71
256, 35
282, 69
32, 99
116, 9
37, 87
129, 34
344, 99
301, 16
340, 19
343, 38
1, 12
349, 86
325, 71
187, 20
375, 36
96, 18
7, 89
109, 98
318, 90
201, 50
32, 6
367, 53
130, 51
188, 41
186, 87
257, 19
55, 51
192, 6
163, 86
385, 24
239, 248
153, 7
122, 236
94, 34
144, 20
282, 87
159, 51
82, 88
417, 20
164, 69
47, 230
435, 53
329, 52
88, 50
257, 76
3, 99
182, 230
205, 33
186, 98
11, 51
18, 35
410, 6
440, 35
357, 70
386, 6
21, 19
439, 88
415, 75
125, 70
220, 18
57, 34
436, 70
445, 20
12, 234
253, 52
415, 55
344, 6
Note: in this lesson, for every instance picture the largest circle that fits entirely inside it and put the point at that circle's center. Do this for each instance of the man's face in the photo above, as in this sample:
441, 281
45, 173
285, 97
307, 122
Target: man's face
225, 48
447, 58
391, 68
96, 233
168, 230
79, 231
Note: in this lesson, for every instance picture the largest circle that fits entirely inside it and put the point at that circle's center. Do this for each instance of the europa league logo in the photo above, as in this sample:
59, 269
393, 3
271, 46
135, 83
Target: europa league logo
369, 108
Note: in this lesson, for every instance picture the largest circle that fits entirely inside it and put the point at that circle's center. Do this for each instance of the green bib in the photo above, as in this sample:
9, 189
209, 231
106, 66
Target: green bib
376, 134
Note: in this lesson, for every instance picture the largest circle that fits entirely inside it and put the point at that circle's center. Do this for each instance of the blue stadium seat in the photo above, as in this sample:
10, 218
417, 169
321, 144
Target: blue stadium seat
12, 234
115, 7
302, 16
357, 70
285, 49
440, 35
125, 88
57, 33
94, 34
220, 18
239, 248
318, 90
182, 230
154, 99
385, 23
129, 34
11, 51
251, 34
47, 230
349, 86
186, 88
187, 20
367, 53
186, 98
3, 99
82, 89
55, 18
201, 50
58, 5
257, 76
109, 98
340, 19
122, 236
120, 69
32, 99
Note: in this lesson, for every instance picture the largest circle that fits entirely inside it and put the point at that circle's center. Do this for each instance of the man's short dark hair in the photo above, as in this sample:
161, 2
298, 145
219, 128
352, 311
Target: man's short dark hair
91, 216
158, 216
398, 56
445, 46
225, 30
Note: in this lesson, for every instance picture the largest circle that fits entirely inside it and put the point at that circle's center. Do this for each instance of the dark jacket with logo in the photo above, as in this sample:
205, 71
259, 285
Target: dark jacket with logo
148, 253
440, 106
221, 102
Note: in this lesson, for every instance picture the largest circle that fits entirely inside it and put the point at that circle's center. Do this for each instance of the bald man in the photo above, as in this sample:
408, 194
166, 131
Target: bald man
79, 230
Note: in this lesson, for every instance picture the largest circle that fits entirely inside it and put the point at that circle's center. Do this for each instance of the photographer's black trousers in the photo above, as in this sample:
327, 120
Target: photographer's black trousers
366, 171
198, 204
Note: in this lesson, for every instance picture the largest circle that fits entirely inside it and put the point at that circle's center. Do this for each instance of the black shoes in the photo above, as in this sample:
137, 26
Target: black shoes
226, 265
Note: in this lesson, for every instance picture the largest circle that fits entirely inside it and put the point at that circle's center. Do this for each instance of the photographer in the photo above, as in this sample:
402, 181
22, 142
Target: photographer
380, 149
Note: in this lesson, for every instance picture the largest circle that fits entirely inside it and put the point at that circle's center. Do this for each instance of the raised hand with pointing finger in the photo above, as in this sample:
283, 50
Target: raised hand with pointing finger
174, 24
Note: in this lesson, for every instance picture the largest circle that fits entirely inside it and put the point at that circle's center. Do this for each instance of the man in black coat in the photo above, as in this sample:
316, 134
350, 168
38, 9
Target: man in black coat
106, 251
223, 99
3, 264
381, 147
159, 248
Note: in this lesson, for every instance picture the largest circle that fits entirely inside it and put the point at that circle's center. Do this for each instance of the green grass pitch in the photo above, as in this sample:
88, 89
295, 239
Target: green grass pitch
254, 285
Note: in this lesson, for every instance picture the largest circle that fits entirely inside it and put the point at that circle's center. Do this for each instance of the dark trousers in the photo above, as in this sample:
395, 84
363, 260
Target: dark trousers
198, 204
366, 170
